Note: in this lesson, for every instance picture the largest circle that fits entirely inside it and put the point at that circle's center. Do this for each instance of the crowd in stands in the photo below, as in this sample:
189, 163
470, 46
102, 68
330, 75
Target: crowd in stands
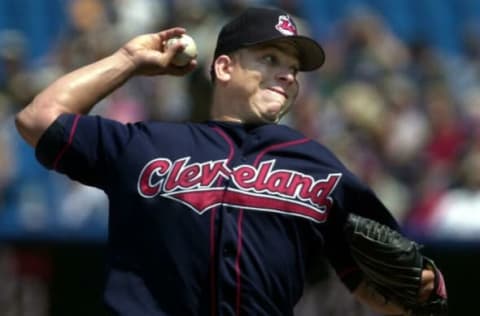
403, 115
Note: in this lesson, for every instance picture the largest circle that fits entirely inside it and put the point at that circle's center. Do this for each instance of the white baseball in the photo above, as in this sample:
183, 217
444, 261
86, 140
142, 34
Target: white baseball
182, 58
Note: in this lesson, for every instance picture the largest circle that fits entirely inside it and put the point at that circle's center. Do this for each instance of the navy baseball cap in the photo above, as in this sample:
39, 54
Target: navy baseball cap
261, 25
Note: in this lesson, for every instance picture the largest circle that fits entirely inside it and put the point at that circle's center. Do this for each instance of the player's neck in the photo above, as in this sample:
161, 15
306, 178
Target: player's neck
223, 108
228, 106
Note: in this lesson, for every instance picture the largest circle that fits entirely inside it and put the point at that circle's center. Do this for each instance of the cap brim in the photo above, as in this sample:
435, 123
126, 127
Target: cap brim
310, 54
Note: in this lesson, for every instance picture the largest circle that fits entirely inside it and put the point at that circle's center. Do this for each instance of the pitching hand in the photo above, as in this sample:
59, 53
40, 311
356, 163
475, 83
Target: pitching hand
151, 56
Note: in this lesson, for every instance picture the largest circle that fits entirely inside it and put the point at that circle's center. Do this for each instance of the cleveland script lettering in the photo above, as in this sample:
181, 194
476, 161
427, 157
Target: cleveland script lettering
262, 188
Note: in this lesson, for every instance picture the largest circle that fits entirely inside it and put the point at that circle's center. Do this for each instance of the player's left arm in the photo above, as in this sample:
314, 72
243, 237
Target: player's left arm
395, 272
390, 274
355, 279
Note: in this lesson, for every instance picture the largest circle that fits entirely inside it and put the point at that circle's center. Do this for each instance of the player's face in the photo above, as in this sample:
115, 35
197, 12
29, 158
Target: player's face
266, 81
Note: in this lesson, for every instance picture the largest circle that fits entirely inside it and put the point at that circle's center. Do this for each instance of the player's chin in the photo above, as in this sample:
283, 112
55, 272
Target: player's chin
272, 117
272, 111
277, 115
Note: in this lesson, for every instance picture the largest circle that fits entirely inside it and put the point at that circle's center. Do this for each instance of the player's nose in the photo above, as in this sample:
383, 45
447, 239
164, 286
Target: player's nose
286, 76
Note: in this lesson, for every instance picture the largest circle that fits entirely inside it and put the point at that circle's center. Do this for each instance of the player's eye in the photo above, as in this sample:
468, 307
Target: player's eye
270, 59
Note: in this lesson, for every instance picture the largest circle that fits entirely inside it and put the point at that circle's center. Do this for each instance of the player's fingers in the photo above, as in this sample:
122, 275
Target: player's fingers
181, 71
165, 35
427, 276
427, 285
171, 50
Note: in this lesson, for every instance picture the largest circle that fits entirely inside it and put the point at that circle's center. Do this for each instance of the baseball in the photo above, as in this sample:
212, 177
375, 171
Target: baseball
182, 58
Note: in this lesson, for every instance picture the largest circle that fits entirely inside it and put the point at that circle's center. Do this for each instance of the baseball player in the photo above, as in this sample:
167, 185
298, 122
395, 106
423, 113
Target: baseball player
220, 217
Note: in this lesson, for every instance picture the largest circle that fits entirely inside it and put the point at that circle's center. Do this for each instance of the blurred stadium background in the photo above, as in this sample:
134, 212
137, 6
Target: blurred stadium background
398, 100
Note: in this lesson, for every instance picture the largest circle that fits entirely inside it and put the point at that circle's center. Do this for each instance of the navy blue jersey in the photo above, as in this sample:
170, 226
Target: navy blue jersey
214, 218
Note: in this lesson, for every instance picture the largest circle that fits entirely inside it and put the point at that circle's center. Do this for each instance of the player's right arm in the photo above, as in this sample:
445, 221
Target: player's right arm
78, 91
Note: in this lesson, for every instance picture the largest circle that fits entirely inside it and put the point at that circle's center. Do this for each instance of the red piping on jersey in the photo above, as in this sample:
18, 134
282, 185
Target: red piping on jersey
240, 220
213, 215
276, 146
73, 129
213, 292
237, 260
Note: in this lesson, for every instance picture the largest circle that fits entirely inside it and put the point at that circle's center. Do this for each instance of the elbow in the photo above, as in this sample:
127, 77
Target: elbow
32, 121
25, 126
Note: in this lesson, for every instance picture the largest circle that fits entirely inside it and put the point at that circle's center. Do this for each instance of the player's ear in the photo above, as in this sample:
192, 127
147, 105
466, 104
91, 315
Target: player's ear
223, 68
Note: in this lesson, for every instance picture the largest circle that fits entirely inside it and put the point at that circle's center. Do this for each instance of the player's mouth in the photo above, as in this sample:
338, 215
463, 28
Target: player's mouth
279, 91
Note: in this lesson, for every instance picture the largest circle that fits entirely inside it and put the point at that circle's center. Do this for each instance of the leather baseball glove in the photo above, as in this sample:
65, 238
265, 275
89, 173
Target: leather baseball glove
393, 264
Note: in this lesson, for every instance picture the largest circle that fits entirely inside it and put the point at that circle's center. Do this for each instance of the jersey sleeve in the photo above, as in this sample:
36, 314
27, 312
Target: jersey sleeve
338, 251
83, 147
353, 196
363, 201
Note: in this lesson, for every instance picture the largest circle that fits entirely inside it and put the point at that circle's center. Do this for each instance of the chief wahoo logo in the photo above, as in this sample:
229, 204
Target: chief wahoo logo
286, 26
